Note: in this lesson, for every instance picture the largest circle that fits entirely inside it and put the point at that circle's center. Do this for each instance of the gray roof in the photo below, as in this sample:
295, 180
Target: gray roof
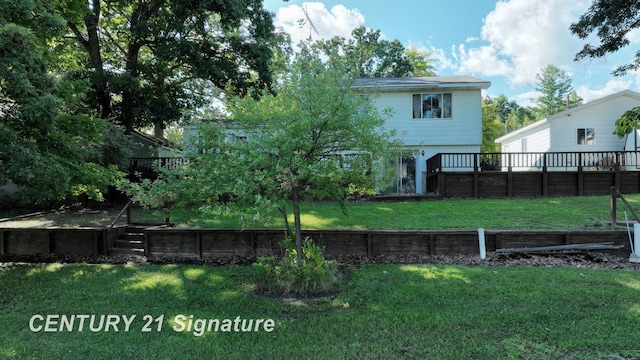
421, 83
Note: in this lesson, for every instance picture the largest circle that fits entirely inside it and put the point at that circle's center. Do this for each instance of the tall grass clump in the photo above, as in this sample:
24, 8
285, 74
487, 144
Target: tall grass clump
283, 274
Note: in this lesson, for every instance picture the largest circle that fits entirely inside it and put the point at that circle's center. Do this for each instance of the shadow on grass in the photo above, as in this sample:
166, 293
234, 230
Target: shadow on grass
379, 311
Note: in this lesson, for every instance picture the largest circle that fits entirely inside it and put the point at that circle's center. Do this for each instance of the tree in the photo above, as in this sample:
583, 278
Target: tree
492, 128
420, 60
611, 21
318, 138
509, 113
556, 91
628, 122
143, 58
368, 56
46, 146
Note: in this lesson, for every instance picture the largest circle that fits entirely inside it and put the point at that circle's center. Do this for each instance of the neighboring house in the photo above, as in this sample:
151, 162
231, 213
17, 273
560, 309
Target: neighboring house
149, 146
431, 115
585, 128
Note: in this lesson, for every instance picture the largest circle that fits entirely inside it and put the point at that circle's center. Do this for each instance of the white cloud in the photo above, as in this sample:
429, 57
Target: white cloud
339, 21
524, 36
527, 98
634, 36
612, 86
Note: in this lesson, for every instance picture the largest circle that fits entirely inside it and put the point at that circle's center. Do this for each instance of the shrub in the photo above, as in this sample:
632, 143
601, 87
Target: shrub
283, 275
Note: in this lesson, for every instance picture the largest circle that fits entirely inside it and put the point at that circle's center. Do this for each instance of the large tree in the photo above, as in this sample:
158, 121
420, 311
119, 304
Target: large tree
611, 21
492, 127
367, 55
47, 147
420, 60
556, 92
318, 138
509, 113
144, 58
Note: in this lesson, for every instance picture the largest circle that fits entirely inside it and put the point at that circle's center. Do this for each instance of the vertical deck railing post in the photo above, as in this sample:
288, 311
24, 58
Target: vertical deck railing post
545, 176
510, 176
441, 180
580, 176
614, 205
616, 168
476, 176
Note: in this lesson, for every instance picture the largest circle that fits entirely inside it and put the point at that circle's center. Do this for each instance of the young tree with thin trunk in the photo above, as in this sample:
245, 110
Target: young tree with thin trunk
318, 138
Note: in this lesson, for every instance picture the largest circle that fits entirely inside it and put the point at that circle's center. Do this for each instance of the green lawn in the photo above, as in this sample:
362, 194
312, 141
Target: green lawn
572, 213
379, 312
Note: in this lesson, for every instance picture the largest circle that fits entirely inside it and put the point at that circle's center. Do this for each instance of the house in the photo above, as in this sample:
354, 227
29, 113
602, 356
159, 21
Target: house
430, 115
149, 146
585, 128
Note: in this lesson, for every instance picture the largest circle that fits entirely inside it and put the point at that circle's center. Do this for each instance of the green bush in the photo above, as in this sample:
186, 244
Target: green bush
283, 275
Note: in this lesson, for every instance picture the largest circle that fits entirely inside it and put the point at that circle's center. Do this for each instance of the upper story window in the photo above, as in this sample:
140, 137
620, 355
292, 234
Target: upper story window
432, 106
586, 136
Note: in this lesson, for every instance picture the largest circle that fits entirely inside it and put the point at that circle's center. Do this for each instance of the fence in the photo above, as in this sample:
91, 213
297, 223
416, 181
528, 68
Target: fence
540, 161
146, 167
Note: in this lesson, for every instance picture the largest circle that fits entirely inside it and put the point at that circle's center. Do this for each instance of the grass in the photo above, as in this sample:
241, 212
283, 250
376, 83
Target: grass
380, 312
571, 213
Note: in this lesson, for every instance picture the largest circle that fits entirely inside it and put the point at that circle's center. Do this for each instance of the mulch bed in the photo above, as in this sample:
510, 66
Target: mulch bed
584, 259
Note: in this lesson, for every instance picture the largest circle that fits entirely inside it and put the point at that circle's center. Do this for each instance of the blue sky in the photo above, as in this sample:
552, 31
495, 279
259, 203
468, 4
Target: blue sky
506, 42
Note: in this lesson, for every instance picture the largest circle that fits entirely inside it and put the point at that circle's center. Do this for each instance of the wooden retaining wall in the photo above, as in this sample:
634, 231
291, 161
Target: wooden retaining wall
201, 243
28, 241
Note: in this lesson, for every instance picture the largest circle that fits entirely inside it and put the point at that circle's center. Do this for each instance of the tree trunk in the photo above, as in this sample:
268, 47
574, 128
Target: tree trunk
158, 130
287, 227
92, 46
298, 229
91, 43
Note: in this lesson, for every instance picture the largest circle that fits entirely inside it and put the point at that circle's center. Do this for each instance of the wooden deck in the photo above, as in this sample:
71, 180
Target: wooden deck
507, 175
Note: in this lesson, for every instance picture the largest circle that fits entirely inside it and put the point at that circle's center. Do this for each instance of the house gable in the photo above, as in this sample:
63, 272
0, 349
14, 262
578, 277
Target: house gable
459, 124
561, 132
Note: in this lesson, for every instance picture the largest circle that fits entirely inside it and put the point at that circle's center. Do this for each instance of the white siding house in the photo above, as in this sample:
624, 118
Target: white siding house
431, 115
585, 128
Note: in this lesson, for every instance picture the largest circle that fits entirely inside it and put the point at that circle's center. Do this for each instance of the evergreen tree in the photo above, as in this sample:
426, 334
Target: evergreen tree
556, 91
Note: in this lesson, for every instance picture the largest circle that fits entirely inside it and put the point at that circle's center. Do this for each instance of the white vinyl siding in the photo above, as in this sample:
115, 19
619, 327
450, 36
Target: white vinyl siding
601, 117
561, 132
463, 128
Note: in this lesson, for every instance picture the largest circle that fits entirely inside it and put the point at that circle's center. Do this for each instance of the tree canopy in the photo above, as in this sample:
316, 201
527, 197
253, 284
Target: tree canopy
146, 60
71, 69
611, 21
47, 147
420, 60
367, 55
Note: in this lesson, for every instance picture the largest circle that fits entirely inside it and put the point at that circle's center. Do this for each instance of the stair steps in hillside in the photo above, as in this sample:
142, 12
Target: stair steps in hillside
131, 242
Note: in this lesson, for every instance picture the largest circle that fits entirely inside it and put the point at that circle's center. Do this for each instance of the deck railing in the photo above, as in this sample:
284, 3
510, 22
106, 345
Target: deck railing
536, 161
150, 164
